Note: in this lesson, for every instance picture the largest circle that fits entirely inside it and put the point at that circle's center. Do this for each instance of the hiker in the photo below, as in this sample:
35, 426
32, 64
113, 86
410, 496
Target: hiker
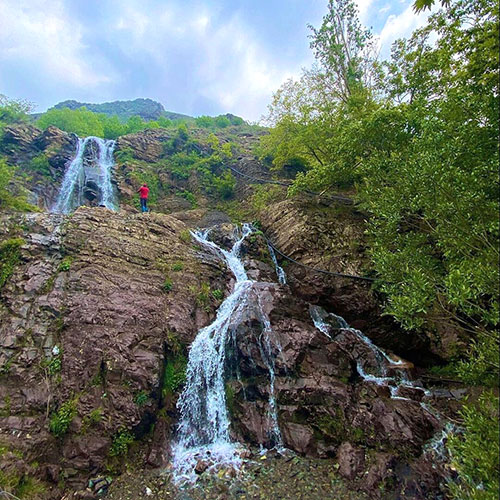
144, 191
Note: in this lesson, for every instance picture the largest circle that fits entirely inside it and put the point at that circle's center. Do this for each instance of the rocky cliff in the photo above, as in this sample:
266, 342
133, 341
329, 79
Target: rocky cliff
98, 310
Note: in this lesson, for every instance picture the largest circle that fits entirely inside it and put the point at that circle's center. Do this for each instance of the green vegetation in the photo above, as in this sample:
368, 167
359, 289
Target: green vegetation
475, 454
221, 121
177, 266
40, 164
415, 139
185, 236
92, 419
141, 398
21, 485
84, 123
62, 418
10, 256
13, 111
65, 264
7, 198
174, 374
167, 285
121, 442
264, 194
53, 365
418, 139
217, 294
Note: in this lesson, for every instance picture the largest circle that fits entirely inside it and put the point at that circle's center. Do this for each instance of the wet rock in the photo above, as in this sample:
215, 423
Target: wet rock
201, 466
351, 460
380, 469
114, 325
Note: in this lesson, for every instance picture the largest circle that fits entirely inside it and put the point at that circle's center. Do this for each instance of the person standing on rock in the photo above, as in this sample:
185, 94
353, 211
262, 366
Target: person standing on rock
143, 193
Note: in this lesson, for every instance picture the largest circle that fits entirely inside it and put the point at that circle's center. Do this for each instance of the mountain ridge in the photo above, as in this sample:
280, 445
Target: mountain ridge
146, 108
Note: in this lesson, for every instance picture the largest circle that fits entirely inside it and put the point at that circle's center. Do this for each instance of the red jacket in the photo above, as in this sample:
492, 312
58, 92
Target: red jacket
144, 191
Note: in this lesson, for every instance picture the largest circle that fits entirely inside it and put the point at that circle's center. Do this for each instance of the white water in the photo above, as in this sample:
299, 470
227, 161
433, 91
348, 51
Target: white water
203, 430
71, 192
280, 273
326, 322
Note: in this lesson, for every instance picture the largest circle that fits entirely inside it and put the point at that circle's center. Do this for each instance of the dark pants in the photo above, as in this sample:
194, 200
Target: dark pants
144, 204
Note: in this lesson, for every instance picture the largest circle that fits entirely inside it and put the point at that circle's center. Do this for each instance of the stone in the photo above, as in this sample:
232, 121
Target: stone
351, 460
201, 466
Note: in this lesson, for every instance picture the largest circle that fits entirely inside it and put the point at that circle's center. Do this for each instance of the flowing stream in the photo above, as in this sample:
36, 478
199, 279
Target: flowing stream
328, 322
71, 193
203, 429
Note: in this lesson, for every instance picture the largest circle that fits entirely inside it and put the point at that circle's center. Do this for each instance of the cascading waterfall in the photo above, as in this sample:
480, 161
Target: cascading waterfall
71, 192
203, 430
323, 322
280, 273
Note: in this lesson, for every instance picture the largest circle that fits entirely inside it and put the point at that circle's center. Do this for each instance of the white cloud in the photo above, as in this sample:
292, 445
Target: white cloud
38, 34
364, 9
227, 61
400, 26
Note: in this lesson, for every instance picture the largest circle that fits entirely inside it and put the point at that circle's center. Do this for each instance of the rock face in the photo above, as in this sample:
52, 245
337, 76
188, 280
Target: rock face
89, 320
21, 143
312, 236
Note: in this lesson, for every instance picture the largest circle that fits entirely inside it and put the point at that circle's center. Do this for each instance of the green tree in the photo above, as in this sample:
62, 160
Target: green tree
82, 122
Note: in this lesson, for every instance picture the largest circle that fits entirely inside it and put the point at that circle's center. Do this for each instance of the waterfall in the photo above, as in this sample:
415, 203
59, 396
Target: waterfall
280, 273
326, 322
203, 429
71, 194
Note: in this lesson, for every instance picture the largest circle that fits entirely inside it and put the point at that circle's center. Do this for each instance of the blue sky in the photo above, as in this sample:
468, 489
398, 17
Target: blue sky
194, 56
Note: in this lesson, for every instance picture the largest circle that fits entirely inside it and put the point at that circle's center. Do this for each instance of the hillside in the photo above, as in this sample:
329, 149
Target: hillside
147, 109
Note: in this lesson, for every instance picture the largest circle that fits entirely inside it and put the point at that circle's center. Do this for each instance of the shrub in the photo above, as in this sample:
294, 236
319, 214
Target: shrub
177, 266
475, 453
174, 374
61, 419
40, 164
187, 195
141, 398
65, 264
167, 285
185, 236
121, 441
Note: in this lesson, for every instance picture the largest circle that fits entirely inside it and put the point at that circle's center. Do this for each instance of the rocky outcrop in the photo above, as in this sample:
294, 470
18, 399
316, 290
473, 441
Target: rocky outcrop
332, 239
23, 142
97, 307
147, 145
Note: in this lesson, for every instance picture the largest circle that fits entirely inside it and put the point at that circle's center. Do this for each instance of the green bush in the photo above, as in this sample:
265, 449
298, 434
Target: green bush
174, 374
225, 185
187, 195
264, 194
475, 453
141, 398
7, 199
65, 264
40, 164
121, 442
167, 285
177, 266
217, 294
61, 419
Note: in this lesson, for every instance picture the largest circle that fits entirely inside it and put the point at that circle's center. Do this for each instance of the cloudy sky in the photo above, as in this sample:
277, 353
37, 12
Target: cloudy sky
194, 56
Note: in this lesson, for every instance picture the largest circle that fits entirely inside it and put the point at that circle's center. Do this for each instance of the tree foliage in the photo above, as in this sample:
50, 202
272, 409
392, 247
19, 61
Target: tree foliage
420, 144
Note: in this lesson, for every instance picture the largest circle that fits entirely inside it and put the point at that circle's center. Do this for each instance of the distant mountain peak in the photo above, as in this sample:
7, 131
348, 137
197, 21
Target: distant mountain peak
146, 108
